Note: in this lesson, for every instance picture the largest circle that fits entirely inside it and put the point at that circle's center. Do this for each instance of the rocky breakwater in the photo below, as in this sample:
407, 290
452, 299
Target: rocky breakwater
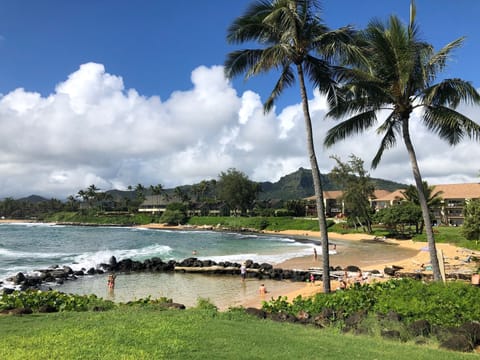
43, 279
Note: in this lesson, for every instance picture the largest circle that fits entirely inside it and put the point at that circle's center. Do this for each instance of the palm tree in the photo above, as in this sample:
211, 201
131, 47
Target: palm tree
289, 31
181, 194
92, 191
72, 203
140, 192
157, 189
82, 194
398, 77
433, 198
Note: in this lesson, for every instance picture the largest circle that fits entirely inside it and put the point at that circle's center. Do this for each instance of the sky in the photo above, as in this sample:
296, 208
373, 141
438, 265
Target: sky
121, 92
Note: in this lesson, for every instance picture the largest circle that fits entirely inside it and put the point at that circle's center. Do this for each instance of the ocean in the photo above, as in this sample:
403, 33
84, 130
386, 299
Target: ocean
27, 247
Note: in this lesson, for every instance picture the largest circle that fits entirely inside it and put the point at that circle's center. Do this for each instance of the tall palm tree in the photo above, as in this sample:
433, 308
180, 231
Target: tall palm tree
157, 189
140, 192
399, 77
288, 32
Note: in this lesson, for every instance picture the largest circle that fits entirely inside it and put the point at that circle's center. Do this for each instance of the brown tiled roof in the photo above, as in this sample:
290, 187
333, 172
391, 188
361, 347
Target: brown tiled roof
449, 191
459, 191
390, 196
378, 194
334, 194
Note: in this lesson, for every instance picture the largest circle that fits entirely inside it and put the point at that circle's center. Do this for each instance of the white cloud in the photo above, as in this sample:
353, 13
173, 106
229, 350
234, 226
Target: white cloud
91, 130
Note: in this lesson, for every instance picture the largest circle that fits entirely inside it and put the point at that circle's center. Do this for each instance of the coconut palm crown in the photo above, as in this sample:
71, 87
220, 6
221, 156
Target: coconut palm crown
397, 79
288, 33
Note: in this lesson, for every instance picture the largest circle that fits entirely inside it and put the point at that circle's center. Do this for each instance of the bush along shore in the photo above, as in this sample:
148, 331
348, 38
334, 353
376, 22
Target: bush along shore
398, 309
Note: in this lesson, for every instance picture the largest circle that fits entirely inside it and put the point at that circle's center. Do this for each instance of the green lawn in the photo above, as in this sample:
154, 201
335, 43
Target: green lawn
149, 333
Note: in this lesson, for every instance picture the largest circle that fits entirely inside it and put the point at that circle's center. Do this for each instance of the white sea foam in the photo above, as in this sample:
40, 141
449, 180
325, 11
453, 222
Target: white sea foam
260, 258
94, 259
31, 224
24, 254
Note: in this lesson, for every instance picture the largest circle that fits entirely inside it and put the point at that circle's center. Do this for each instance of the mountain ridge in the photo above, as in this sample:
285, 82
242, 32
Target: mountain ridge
299, 184
296, 185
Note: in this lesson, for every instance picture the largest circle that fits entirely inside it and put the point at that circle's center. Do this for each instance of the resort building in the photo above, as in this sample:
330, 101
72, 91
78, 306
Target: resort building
449, 212
157, 204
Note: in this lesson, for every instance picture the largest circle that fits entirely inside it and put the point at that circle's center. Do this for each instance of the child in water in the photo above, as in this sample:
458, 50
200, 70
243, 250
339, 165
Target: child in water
262, 290
111, 281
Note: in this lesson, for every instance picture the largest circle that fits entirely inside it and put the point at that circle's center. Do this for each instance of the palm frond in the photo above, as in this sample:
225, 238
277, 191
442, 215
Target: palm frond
359, 95
251, 26
449, 124
450, 92
242, 61
339, 45
354, 125
390, 127
286, 79
319, 72
437, 61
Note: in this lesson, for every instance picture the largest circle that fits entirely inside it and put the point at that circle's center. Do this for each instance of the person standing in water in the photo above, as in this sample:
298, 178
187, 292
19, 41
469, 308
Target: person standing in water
262, 290
111, 281
243, 271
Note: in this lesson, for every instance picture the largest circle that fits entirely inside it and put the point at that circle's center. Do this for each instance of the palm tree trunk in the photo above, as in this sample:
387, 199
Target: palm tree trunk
317, 184
423, 202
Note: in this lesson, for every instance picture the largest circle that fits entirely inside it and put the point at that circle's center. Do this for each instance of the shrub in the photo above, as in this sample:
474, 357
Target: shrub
173, 217
36, 300
450, 304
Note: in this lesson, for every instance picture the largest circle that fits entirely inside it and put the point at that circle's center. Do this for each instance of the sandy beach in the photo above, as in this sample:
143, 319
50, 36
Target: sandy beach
454, 257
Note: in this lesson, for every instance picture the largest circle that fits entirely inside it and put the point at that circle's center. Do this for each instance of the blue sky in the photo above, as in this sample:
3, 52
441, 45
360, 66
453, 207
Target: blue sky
143, 78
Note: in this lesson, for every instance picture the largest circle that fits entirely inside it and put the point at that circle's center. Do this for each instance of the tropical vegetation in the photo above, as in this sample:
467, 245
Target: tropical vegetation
357, 191
471, 225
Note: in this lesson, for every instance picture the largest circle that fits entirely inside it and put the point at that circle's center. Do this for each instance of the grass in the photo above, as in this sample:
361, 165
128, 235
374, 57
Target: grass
100, 219
148, 333
259, 223
452, 235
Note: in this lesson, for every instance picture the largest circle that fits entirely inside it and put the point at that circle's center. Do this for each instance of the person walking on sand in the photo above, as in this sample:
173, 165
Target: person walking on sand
315, 255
